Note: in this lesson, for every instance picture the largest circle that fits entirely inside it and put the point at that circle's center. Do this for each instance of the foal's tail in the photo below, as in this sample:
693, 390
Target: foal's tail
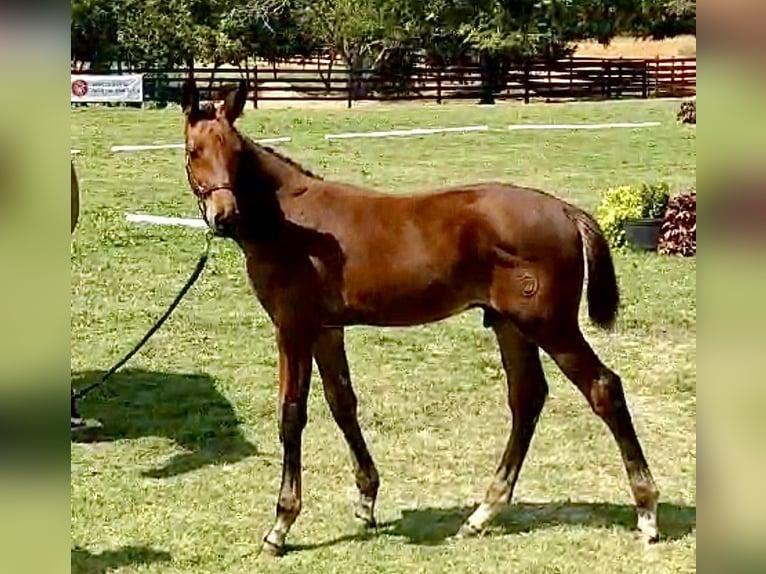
603, 292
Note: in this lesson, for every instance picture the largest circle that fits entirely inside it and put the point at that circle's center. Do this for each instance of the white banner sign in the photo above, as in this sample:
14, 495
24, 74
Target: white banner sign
107, 88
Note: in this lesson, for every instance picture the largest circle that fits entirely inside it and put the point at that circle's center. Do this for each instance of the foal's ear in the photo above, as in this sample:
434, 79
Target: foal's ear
190, 97
234, 102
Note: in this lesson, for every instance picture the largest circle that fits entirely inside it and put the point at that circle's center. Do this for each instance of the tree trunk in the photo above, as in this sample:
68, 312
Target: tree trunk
359, 88
216, 64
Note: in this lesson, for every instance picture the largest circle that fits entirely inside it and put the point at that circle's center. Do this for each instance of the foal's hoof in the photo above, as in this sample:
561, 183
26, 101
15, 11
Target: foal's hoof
364, 512
367, 519
271, 549
650, 538
467, 530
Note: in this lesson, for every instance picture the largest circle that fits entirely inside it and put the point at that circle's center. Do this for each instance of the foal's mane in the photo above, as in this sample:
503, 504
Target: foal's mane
289, 161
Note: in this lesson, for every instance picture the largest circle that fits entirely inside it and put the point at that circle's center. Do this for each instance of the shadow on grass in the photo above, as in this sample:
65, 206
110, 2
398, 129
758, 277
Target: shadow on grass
434, 526
84, 562
183, 407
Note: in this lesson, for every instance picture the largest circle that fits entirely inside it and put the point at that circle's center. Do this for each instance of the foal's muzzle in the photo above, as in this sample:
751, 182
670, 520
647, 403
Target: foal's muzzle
219, 210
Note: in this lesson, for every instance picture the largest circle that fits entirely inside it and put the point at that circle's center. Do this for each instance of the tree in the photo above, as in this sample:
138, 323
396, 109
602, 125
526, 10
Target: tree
667, 18
93, 36
267, 29
162, 32
384, 35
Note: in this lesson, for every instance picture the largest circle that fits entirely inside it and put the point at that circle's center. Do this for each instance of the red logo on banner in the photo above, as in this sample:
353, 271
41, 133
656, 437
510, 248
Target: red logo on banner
79, 88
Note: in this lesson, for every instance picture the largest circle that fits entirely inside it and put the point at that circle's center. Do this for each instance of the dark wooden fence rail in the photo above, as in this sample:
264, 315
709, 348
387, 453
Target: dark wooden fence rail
572, 78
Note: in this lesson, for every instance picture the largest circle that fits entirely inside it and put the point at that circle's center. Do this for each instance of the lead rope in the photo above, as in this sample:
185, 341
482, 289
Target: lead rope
194, 276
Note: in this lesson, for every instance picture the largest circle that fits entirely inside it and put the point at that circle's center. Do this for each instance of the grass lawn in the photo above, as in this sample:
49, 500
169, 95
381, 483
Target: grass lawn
183, 476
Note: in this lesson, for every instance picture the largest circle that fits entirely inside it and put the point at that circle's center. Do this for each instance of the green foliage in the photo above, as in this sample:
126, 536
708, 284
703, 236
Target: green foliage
362, 32
93, 32
619, 204
655, 199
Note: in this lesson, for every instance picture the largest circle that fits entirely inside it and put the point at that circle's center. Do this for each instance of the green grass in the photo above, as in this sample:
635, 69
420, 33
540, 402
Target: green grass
183, 476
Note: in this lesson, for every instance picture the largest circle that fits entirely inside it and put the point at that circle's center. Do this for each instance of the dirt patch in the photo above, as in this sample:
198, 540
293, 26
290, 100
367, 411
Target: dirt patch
678, 47
278, 89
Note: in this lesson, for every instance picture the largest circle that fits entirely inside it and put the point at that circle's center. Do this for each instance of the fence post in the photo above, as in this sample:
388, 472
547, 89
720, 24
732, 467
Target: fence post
255, 84
247, 77
349, 85
571, 74
526, 80
608, 79
619, 77
673, 76
438, 86
550, 84
645, 80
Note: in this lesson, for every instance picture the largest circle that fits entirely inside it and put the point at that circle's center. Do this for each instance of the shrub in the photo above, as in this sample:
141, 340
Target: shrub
655, 200
687, 114
618, 204
678, 234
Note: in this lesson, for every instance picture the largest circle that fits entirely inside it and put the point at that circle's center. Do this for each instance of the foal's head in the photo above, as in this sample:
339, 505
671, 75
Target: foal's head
213, 152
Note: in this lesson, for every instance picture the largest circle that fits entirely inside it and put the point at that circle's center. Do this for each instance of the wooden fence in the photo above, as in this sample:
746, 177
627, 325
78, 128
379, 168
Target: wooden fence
572, 78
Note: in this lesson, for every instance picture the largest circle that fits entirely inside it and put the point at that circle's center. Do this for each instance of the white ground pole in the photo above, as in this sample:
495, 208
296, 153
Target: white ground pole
414, 132
119, 148
161, 220
581, 126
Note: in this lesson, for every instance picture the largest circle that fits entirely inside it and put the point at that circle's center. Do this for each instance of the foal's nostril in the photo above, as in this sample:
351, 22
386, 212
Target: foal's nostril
222, 223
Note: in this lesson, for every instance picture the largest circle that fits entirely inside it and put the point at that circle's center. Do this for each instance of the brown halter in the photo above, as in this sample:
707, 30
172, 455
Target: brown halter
201, 191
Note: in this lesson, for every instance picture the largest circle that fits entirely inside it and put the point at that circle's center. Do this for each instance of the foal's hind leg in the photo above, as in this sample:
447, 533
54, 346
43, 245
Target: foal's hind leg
330, 355
603, 390
527, 390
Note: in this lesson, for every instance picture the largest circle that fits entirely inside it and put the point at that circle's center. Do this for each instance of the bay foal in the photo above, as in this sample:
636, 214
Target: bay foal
322, 255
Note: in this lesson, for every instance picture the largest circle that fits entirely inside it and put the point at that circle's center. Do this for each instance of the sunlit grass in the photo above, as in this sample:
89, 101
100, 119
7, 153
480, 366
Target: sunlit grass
183, 475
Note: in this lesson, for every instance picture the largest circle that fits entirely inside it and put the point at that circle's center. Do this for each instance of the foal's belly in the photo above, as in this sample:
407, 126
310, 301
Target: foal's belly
401, 314
391, 302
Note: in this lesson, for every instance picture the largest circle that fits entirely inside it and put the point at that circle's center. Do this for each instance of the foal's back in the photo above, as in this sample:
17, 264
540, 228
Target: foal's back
478, 217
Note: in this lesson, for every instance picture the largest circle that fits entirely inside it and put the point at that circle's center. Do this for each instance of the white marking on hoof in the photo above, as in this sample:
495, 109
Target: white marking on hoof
467, 531
647, 523
481, 516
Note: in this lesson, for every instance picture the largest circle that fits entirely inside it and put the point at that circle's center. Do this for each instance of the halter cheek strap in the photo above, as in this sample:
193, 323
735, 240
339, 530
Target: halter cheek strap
201, 191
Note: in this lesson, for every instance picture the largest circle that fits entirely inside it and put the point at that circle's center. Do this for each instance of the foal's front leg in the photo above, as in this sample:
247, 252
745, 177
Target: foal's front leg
294, 382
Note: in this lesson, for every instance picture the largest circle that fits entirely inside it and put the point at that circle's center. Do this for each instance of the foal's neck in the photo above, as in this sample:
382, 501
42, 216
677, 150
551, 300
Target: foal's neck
268, 171
263, 174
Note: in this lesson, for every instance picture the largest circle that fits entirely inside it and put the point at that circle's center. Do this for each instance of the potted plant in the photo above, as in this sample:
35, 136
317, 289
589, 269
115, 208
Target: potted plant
633, 215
